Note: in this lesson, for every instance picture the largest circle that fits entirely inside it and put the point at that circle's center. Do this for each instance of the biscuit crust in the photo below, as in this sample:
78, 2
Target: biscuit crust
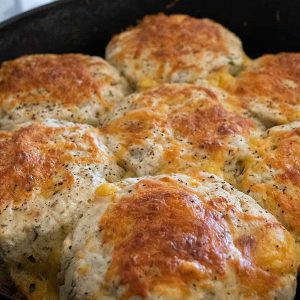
272, 174
180, 128
175, 48
73, 87
45, 169
270, 88
177, 237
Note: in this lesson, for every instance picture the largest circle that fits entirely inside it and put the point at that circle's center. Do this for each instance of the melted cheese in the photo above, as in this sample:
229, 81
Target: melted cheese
105, 189
276, 157
271, 82
194, 126
66, 78
161, 224
174, 48
32, 157
38, 281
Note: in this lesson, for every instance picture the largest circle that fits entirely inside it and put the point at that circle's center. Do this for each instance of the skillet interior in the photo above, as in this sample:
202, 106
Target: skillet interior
86, 26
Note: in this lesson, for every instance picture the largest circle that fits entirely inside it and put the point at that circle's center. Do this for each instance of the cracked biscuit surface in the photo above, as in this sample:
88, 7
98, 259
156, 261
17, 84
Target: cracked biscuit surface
272, 174
177, 237
72, 87
48, 175
180, 128
175, 48
270, 88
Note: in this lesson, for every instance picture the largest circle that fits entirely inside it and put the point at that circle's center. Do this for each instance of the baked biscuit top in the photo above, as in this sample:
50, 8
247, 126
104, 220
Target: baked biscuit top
49, 172
72, 87
32, 157
176, 237
272, 174
175, 48
179, 128
270, 88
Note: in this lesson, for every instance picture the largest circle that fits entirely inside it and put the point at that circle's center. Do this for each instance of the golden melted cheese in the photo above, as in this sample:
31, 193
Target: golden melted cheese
208, 127
39, 280
191, 118
66, 78
162, 229
272, 81
277, 160
32, 157
162, 46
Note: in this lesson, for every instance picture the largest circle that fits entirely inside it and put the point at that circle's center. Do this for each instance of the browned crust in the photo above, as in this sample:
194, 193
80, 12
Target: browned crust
160, 225
208, 128
266, 81
162, 33
206, 124
66, 78
31, 159
179, 41
280, 150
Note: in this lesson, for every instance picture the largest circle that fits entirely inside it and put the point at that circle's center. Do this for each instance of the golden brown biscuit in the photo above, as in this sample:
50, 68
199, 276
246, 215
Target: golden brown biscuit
180, 128
175, 48
272, 174
176, 237
270, 88
73, 87
48, 176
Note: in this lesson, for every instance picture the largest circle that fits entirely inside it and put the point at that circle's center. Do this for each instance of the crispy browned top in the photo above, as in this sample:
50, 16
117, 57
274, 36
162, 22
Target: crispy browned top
272, 77
171, 38
34, 159
209, 127
66, 78
280, 150
177, 108
164, 233
175, 94
285, 156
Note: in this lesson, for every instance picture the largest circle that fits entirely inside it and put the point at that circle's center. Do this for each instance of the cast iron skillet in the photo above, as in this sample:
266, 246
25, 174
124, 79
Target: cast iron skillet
264, 26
